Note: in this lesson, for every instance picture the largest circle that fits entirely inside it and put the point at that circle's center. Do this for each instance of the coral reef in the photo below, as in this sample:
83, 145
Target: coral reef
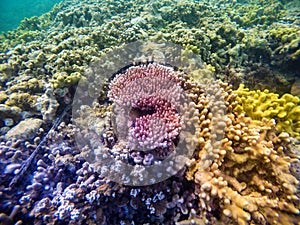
47, 105
26, 129
244, 166
284, 42
62, 43
241, 172
60, 80
65, 189
146, 131
155, 123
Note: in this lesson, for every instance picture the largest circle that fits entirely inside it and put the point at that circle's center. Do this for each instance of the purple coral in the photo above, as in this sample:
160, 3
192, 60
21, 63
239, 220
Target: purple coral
149, 96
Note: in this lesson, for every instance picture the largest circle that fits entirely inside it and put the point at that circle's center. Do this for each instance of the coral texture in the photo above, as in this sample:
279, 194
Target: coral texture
264, 104
244, 168
250, 180
151, 93
62, 43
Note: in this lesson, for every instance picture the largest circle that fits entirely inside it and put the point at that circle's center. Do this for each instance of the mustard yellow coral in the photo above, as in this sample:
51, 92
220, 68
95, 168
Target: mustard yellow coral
24, 101
246, 178
264, 104
32, 86
63, 79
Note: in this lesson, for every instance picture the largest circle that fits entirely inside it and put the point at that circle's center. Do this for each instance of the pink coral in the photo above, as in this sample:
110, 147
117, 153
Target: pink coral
149, 96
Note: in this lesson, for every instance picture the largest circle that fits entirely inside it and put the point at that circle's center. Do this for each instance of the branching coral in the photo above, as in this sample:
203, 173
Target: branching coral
264, 104
151, 93
242, 171
148, 130
285, 42
250, 178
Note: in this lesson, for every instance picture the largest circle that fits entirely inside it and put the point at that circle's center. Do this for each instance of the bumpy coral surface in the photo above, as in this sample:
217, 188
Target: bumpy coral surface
264, 104
249, 181
151, 93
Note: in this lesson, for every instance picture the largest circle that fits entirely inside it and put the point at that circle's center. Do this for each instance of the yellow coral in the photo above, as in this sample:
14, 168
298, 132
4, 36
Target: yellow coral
24, 101
249, 176
3, 96
33, 85
63, 79
264, 104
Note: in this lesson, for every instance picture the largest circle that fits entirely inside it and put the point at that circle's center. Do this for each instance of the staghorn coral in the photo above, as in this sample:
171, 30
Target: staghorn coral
264, 104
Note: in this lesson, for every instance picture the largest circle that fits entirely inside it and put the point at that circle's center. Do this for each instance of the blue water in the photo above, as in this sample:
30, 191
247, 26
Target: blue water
13, 11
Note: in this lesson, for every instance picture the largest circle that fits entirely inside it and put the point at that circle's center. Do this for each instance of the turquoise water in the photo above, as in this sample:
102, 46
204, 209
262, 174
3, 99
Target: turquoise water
12, 12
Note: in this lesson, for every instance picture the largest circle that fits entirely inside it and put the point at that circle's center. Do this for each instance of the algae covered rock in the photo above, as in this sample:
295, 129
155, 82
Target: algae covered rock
25, 130
295, 90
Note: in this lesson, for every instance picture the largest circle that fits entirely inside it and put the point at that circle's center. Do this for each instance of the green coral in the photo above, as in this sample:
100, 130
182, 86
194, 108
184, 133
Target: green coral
31, 86
285, 42
24, 101
264, 104
192, 48
63, 79
263, 13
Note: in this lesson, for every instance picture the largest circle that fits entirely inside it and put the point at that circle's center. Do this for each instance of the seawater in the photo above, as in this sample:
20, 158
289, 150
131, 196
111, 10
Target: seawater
13, 11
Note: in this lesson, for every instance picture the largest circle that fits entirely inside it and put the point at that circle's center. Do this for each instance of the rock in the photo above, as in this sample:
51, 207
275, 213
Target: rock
25, 130
295, 90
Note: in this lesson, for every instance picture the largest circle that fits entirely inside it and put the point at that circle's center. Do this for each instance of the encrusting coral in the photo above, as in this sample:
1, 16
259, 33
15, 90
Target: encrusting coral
264, 104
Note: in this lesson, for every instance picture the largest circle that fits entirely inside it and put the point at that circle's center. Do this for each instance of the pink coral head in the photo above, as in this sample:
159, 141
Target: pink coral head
148, 129
147, 98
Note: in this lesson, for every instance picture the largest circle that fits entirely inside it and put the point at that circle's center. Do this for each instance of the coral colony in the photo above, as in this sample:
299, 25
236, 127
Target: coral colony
159, 143
152, 94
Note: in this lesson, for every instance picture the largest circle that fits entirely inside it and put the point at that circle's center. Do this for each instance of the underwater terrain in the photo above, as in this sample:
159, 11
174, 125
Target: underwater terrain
12, 12
152, 112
